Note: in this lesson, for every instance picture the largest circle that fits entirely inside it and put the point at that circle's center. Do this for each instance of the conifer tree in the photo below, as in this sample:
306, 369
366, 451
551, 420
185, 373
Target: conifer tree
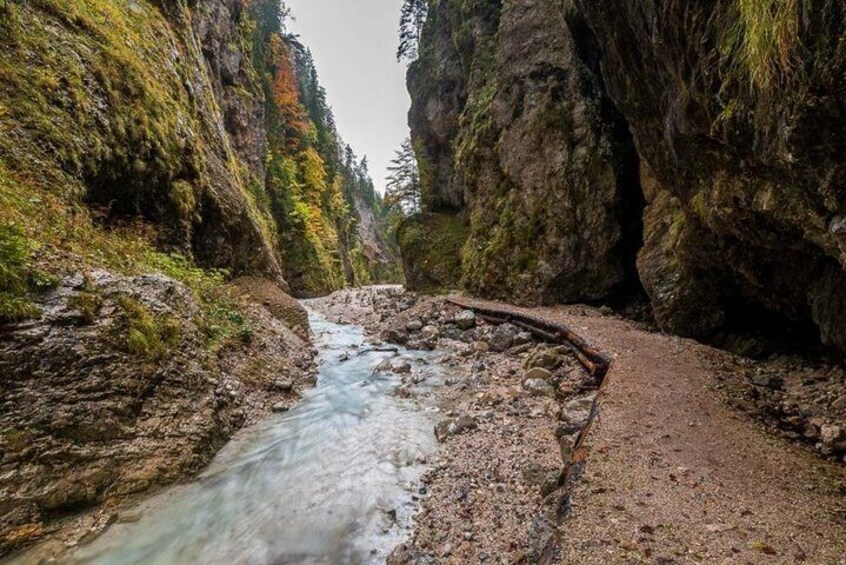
403, 191
412, 17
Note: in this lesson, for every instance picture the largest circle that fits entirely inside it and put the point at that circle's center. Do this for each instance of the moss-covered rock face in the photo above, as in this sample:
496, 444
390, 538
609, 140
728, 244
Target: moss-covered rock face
738, 109
521, 118
432, 263
122, 105
527, 142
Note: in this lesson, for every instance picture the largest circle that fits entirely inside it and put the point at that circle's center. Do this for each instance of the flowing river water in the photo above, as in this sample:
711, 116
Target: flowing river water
332, 481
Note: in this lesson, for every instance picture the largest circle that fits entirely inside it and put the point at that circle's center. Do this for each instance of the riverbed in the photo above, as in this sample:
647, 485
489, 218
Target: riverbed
335, 480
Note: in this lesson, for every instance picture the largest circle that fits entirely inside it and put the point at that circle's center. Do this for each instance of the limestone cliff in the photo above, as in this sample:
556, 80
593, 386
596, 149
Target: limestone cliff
507, 113
549, 125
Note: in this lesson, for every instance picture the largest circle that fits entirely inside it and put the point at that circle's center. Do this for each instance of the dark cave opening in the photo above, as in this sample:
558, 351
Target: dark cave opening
754, 331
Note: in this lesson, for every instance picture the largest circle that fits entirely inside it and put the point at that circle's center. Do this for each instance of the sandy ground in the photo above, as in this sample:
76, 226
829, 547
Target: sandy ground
673, 473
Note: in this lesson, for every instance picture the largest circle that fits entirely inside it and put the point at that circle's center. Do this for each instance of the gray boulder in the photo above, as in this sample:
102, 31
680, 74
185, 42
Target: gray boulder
503, 337
538, 387
465, 320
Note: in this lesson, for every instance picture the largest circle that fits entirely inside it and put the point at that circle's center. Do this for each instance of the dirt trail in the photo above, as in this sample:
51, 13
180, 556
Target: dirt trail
674, 475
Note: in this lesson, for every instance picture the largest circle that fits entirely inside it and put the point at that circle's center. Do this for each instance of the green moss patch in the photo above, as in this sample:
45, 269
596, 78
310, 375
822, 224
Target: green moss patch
431, 246
148, 336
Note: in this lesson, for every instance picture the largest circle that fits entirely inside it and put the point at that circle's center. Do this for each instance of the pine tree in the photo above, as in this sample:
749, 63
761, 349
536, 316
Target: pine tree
412, 18
403, 191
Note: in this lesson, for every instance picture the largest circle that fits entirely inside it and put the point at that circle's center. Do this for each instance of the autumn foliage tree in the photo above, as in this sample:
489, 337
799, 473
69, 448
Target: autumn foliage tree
286, 94
314, 183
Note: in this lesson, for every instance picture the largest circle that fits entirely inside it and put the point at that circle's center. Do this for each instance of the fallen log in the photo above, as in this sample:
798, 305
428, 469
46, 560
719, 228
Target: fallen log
591, 357
597, 364
537, 332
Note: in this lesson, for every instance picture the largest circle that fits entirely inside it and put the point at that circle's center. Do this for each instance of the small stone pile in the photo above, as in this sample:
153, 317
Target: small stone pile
804, 402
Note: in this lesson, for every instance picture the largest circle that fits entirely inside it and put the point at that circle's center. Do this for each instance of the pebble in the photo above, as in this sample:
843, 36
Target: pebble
454, 426
401, 367
429, 333
538, 387
537, 373
831, 434
283, 385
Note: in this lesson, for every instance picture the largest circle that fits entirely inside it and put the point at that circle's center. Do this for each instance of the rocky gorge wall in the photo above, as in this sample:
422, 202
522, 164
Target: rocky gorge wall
689, 149
126, 108
165, 113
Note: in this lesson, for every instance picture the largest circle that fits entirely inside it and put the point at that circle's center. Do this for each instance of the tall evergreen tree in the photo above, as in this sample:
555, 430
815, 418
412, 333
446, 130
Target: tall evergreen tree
412, 17
403, 191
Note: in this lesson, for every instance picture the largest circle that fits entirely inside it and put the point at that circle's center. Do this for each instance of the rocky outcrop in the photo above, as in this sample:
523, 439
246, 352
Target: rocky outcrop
376, 258
529, 144
747, 146
550, 124
120, 387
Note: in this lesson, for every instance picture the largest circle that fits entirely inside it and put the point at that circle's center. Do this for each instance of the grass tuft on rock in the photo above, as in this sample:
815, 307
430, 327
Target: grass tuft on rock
762, 43
88, 305
148, 336
18, 279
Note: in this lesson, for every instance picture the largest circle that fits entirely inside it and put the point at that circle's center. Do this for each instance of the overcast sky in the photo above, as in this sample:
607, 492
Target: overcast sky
354, 43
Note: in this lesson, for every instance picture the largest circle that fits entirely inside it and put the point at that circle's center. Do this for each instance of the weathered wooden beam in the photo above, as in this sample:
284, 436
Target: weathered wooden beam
591, 357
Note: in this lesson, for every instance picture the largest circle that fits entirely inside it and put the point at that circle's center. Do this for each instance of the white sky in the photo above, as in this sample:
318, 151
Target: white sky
354, 44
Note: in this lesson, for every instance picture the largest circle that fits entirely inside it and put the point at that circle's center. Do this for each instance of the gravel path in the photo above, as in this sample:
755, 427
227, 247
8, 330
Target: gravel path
674, 475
